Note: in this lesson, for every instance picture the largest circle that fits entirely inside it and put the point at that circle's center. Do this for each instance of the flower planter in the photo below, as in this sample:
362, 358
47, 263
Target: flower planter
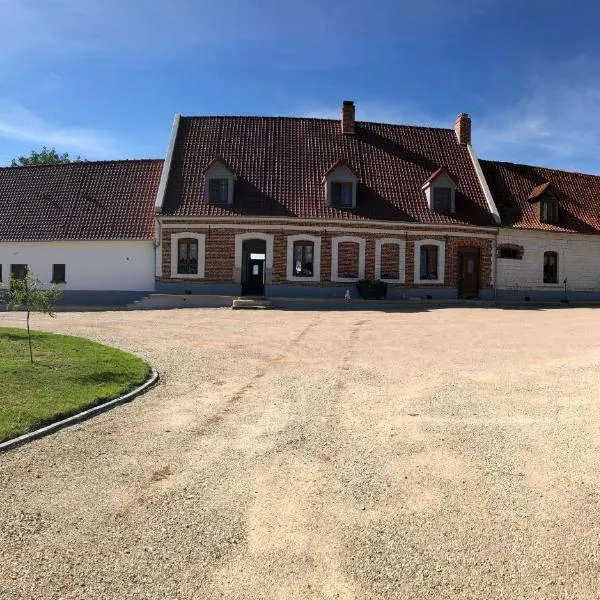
371, 288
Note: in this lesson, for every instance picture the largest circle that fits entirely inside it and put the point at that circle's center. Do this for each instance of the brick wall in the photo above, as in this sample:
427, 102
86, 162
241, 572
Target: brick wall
390, 255
220, 254
348, 259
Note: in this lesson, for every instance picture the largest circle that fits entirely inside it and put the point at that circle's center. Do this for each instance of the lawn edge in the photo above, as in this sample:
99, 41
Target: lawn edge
81, 416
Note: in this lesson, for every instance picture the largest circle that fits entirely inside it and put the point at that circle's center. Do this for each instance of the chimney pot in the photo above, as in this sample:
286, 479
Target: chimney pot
348, 117
462, 127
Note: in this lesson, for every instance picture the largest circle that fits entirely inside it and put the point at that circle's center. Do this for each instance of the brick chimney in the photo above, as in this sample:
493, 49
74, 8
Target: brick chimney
348, 116
462, 127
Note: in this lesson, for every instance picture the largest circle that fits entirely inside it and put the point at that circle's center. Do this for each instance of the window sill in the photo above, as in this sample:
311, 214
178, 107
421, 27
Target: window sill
186, 276
58, 282
429, 281
300, 279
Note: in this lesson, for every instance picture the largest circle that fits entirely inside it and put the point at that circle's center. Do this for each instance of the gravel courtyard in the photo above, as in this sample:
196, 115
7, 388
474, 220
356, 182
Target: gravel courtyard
449, 453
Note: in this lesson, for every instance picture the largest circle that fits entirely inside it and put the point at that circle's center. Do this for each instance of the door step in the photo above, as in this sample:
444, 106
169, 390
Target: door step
252, 303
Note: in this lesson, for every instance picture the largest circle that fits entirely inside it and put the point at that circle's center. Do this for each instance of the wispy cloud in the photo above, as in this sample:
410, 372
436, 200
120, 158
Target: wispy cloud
17, 123
555, 123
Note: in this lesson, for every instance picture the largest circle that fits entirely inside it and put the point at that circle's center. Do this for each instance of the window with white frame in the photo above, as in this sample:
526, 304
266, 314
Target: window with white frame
340, 186
218, 182
347, 258
429, 261
390, 257
303, 258
187, 255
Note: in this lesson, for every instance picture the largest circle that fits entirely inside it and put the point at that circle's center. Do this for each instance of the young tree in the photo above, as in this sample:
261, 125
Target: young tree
46, 156
28, 294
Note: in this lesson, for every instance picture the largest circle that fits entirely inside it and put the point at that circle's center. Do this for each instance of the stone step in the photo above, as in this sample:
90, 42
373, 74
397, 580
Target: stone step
252, 303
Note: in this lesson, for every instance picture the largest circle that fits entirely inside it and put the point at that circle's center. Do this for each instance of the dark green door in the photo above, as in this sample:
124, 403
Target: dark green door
255, 284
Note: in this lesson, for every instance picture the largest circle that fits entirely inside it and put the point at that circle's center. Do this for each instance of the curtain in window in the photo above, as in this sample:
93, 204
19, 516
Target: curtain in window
187, 263
303, 259
428, 262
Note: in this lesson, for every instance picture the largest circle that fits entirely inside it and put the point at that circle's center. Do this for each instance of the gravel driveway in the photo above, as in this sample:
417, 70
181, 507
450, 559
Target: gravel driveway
450, 453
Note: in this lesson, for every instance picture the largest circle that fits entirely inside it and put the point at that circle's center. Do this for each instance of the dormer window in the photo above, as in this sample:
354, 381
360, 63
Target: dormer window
219, 180
340, 186
549, 211
440, 192
218, 191
341, 194
442, 199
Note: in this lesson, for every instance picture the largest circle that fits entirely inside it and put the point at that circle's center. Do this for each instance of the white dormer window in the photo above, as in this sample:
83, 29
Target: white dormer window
340, 186
440, 191
218, 182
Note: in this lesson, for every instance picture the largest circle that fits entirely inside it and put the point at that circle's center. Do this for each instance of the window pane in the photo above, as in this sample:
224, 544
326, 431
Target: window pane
336, 193
550, 267
303, 259
441, 199
193, 250
218, 191
346, 194
428, 262
58, 273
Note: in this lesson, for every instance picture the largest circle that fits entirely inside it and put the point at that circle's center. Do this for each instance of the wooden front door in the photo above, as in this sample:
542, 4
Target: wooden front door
255, 284
468, 272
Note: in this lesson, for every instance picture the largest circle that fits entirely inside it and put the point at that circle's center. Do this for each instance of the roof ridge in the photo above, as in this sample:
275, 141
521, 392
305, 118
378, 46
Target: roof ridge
296, 118
504, 162
87, 162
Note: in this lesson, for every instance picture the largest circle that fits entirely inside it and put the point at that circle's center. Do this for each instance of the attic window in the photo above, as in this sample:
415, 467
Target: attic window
549, 211
218, 191
440, 192
340, 185
341, 193
442, 199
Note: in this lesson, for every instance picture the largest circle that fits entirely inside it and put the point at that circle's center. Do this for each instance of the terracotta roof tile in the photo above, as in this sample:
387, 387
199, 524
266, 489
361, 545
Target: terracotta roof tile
280, 163
79, 201
512, 186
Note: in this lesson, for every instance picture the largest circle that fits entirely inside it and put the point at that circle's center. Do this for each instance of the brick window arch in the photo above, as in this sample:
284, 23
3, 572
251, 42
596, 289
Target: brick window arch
510, 251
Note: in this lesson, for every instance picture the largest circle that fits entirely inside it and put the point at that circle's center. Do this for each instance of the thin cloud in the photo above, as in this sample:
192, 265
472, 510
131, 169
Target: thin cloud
20, 124
556, 124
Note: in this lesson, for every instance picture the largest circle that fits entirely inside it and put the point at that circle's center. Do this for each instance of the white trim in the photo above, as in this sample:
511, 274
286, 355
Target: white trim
200, 237
441, 246
164, 177
335, 242
323, 222
316, 257
484, 186
240, 238
323, 228
401, 259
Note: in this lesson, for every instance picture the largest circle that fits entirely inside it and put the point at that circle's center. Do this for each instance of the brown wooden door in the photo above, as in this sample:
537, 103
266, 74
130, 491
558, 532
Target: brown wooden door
468, 272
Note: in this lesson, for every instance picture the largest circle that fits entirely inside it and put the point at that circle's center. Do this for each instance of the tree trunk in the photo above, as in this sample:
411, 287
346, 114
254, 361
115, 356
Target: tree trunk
29, 338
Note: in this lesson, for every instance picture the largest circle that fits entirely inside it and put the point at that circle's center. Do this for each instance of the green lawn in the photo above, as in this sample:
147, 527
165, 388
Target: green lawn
69, 375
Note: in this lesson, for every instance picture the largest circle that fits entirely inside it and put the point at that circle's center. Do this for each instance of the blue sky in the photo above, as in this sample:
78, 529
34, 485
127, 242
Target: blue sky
103, 79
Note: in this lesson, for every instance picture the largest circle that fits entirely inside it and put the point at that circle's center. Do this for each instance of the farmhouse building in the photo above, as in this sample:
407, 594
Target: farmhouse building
307, 207
88, 227
549, 243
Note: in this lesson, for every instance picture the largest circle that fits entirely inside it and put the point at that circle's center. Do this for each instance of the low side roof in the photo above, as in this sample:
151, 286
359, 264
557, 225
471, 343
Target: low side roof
280, 163
512, 186
79, 201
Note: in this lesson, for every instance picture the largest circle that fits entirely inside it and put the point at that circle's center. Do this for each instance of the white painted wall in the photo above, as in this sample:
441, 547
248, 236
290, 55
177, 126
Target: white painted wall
93, 265
578, 260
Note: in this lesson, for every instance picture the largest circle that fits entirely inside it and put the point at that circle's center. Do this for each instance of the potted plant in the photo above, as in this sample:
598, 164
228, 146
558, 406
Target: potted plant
371, 288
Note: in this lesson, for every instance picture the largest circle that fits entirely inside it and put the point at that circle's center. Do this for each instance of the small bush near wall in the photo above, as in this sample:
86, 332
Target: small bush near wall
371, 288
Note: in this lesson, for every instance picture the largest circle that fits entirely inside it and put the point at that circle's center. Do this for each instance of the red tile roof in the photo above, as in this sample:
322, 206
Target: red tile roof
512, 186
280, 163
79, 201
